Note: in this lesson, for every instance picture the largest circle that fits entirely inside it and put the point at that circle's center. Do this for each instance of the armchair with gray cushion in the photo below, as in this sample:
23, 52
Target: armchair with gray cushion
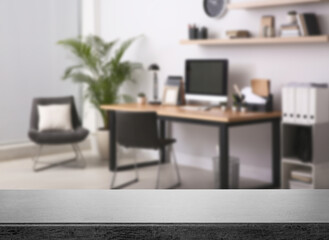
56, 137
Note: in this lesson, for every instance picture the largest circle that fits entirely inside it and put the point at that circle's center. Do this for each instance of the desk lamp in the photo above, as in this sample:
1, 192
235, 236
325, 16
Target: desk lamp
155, 68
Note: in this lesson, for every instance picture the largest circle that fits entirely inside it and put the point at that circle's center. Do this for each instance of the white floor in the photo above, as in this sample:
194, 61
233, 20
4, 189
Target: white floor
18, 174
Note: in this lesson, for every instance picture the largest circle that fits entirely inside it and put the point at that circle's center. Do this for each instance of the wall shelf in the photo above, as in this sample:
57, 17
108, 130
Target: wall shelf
257, 41
269, 3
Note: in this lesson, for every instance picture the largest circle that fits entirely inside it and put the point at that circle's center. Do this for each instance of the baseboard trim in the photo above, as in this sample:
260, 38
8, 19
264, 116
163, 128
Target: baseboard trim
27, 150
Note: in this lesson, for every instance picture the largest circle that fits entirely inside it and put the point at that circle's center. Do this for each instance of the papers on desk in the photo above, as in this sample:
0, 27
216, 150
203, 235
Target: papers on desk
252, 98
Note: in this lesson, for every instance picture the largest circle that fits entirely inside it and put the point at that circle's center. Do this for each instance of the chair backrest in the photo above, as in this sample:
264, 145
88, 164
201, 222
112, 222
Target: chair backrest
137, 129
34, 122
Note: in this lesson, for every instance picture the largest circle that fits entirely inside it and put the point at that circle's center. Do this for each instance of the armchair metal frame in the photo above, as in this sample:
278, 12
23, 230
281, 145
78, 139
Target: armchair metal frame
78, 157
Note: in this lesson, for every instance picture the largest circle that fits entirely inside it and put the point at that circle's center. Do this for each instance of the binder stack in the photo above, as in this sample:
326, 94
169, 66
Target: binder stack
305, 104
305, 136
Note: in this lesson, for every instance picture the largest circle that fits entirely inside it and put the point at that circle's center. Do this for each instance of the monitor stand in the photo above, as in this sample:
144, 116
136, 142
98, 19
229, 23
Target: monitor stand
200, 106
155, 102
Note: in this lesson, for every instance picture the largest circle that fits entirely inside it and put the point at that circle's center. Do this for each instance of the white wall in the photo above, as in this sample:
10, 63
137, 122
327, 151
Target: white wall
90, 19
164, 23
31, 63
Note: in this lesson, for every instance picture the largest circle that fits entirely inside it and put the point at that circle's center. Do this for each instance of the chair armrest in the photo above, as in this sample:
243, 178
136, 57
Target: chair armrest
33, 134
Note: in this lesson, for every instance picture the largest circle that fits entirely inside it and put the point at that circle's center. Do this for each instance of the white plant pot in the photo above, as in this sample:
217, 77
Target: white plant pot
243, 109
234, 109
103, 143
141, 100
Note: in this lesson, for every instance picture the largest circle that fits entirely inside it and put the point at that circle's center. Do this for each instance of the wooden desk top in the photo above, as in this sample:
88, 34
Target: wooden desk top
164, 206
214, 115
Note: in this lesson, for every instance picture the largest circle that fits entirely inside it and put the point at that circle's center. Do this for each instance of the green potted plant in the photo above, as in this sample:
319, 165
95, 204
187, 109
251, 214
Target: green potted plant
236, 101
103, 73
244, 107
141, 99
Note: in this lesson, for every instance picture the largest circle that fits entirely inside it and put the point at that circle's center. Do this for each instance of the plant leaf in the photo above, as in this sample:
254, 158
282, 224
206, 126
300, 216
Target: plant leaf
69, 70
103, 75
121, 51
82, 51
127, 98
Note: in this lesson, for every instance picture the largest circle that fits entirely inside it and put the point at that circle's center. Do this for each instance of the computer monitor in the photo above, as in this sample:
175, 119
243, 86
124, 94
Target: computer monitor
206, 80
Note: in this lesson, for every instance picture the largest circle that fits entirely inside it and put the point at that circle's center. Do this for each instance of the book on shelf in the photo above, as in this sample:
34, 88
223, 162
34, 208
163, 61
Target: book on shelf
302, 176
308, 24
290, 33
289, 27
238, 34
294, 184
290, 30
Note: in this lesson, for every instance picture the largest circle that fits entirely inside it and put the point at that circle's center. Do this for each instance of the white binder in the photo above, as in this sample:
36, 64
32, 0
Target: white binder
288, 104
305, 104
302, 105
319, 110
285, 109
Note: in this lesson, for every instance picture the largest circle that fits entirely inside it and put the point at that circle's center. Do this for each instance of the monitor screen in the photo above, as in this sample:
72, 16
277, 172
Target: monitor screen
206, 77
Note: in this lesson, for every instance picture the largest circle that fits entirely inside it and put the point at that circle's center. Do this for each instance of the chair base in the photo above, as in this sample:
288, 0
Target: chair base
135, 180
126, 184
176, 185
78, 156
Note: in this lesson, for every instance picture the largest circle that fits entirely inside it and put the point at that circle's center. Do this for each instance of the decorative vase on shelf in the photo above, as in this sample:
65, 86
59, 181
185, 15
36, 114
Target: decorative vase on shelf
292, 17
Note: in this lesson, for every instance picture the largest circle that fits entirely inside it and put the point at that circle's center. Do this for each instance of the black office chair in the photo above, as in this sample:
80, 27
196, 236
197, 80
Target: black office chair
56, 137
139, 130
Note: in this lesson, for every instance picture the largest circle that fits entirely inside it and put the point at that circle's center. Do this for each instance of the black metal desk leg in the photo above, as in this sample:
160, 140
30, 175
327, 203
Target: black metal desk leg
224, 156
113, 149
276, 152
163, 156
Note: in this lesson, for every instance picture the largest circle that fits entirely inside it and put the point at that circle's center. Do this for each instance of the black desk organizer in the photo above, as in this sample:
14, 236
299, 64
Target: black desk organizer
267, 107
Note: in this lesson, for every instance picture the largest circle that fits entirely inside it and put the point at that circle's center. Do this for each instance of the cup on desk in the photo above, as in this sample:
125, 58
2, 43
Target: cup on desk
243, 108
223, 106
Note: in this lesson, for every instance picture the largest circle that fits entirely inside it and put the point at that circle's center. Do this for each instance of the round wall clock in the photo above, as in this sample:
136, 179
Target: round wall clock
215, 8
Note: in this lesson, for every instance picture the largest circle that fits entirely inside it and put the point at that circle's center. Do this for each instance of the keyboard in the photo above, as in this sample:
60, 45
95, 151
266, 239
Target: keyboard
194, 108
